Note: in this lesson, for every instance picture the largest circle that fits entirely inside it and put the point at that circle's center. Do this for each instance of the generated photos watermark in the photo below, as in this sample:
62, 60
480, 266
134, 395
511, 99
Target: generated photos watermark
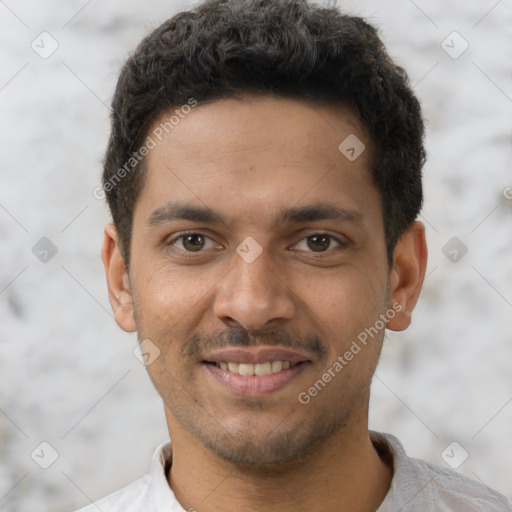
355, 348
156, 136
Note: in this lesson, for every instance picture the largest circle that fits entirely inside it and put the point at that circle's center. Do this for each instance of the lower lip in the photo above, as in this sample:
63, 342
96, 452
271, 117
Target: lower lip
255, 385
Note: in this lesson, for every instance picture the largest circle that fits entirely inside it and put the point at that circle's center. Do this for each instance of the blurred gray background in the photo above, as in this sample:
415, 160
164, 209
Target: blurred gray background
68, 375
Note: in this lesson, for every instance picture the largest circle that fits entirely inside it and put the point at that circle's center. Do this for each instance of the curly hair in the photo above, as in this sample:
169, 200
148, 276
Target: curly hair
287, 48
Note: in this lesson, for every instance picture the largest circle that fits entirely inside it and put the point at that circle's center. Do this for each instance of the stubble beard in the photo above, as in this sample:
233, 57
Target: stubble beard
280, 444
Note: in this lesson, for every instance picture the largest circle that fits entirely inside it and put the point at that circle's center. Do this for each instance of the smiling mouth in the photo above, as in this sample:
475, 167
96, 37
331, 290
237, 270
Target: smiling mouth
255, 378
258, 369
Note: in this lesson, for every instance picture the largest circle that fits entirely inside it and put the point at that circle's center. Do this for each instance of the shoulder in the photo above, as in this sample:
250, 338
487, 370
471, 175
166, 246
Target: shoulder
147, 494
455, 491
421, 485
126, 499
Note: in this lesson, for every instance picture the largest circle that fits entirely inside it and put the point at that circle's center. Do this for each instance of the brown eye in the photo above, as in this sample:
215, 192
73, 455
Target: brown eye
192, 242
320, 243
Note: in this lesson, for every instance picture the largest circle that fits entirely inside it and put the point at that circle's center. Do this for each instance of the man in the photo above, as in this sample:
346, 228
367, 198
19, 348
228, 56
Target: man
264, 179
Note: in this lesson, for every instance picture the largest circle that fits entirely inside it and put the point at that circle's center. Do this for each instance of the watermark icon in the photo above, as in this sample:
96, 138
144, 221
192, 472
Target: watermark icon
351, 147
507, 192
98, 192
156, 136
454, 455
44, 455
44, 250
454, 250
249, 249
146, 352
454, 45
45, 45
363, 337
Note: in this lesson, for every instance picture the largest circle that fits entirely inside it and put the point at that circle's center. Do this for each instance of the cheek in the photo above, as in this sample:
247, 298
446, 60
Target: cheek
170, 305
345, 301
169, 295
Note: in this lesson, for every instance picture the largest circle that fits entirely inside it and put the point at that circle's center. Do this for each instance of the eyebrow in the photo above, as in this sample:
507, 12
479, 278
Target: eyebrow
298, 214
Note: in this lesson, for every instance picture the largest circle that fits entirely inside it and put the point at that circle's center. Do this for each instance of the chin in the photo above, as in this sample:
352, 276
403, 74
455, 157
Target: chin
269, 448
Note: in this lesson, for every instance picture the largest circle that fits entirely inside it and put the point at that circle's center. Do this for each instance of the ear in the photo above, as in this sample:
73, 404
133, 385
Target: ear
407, 275
118, 281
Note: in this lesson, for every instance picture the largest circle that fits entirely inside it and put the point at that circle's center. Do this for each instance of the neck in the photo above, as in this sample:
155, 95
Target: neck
344, 474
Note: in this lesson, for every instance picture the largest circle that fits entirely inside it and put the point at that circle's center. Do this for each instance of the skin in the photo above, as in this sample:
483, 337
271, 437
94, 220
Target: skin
247, 159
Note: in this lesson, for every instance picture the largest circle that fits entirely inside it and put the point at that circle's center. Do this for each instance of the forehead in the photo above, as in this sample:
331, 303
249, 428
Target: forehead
253, 154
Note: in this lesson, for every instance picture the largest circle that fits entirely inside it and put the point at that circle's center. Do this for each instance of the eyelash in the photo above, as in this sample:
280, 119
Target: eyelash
192, 254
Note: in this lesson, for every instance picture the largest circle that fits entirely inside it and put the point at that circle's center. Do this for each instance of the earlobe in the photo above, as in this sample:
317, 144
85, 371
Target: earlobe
407, 275
118, 281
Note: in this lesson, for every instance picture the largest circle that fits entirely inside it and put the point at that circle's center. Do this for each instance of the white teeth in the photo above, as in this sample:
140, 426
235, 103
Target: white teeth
259, 369
246, 369
277, 366
233, 367
262, 369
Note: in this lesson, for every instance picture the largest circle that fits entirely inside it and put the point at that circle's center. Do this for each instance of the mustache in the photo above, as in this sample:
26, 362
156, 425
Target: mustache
239, 337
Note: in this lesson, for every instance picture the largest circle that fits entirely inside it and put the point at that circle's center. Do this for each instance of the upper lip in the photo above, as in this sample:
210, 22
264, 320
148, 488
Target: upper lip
254, 355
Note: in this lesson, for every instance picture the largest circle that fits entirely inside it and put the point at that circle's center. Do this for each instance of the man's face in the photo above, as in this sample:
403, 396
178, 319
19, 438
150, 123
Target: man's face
289, 265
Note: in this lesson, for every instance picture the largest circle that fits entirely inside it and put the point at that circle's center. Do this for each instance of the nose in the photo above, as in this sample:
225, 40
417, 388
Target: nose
253, 295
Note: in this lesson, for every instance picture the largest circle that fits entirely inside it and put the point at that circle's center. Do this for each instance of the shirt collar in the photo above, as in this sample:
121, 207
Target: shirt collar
408, 481
160, 496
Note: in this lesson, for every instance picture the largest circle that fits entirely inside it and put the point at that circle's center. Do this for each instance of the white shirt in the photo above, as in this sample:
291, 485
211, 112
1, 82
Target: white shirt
417, 486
